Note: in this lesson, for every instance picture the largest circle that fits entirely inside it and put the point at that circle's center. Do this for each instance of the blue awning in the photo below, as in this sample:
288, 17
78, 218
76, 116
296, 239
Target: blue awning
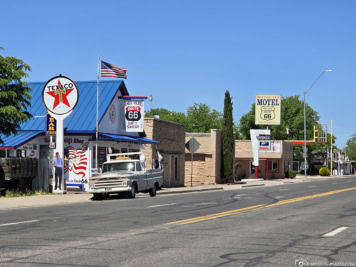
22, 137
124, 138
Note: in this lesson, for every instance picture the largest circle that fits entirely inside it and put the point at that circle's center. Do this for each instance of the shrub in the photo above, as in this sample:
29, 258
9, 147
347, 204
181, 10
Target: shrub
324, 171
292, 174
25, 193
241, 174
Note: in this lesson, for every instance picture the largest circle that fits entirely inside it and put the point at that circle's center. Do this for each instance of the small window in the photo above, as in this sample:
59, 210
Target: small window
273, 165
138, 166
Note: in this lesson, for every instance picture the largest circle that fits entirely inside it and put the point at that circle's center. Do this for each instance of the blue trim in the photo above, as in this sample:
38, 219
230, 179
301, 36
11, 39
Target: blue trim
81, 186
88, 132
22, 137
133, 97
124, 138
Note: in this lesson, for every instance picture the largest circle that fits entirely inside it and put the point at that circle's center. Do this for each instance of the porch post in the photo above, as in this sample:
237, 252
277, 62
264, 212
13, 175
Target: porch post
256, 171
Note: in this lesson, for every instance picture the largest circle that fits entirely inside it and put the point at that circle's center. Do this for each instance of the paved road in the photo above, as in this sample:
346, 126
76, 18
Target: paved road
272, 226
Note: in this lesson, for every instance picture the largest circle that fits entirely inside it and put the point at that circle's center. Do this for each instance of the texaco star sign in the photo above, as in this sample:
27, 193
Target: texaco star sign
60, 95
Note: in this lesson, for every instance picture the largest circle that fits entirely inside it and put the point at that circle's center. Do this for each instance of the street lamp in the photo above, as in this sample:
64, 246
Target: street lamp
305, 124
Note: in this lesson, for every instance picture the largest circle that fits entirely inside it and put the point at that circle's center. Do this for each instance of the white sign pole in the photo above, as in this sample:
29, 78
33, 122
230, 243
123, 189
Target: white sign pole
60, 147
255, 146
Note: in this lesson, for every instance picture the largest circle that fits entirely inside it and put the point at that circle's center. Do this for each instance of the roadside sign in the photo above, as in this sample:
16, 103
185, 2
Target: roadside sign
134, 115
265, 145
60, 95
51, 125
192, 145
268, 110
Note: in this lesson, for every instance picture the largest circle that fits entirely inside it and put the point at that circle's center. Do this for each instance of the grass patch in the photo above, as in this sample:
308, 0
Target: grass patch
26, 193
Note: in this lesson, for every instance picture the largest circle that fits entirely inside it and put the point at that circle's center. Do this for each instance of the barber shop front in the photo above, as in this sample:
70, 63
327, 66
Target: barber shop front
273, 162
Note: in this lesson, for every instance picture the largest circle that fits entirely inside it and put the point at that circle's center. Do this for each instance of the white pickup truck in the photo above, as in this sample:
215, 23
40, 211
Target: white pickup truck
126, 173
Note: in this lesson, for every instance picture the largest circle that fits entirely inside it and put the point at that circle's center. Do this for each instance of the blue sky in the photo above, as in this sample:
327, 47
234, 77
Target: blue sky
186, 52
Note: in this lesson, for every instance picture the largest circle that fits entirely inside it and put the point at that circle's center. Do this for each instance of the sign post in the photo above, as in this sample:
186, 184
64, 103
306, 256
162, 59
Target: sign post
256, 146
267, 112
60, 96
192, 145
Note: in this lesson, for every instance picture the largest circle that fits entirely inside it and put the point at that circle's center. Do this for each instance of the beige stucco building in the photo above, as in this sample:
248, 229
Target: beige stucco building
171, 147
273, 163
206, 160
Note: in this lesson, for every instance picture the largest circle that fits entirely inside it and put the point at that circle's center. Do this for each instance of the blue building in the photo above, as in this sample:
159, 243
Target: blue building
79, 130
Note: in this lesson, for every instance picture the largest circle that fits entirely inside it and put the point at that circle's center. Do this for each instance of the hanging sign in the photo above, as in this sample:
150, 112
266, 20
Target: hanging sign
268, 110
264, 142
60, 95
134, 115
51, 125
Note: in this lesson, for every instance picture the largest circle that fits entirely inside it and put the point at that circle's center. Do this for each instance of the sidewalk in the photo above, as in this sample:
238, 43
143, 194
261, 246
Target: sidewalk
75, 197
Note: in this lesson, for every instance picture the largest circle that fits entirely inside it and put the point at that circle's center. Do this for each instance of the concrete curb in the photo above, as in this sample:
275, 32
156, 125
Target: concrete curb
189, 191
253, 185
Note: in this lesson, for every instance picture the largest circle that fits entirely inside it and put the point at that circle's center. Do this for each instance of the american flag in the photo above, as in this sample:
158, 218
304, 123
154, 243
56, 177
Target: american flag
109, 70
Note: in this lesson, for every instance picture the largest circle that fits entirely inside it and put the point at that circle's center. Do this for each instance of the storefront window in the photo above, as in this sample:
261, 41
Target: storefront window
101, 155
273, 165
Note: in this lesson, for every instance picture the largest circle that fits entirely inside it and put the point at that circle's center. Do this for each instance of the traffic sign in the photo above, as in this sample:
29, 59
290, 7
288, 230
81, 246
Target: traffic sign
192, 145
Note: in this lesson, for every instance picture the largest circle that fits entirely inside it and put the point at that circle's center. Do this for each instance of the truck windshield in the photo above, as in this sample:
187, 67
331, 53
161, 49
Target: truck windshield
119, 166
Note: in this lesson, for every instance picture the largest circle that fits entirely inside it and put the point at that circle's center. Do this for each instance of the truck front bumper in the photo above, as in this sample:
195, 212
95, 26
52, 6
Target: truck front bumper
110, 189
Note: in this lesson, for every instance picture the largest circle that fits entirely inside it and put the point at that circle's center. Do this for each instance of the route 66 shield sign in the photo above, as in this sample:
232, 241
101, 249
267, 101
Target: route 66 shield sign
134, 115
267, 113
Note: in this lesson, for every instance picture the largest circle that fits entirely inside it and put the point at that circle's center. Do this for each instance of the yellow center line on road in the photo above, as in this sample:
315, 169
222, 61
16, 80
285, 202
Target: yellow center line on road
215, 215
256, 207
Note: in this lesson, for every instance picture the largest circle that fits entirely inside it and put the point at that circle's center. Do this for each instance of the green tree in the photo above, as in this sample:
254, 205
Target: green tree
165, 114
350, 148
14, 95
292, 117
200, 118
228, 137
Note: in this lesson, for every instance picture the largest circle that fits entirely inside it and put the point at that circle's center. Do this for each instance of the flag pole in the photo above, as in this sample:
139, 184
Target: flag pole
97, 116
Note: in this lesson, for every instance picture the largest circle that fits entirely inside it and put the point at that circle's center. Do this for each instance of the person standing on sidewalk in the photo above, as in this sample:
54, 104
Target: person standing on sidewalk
58, 165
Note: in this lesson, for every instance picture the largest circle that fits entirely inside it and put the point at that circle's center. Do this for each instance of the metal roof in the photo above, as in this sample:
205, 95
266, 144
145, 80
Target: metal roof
116, 137
83, 117
17, 140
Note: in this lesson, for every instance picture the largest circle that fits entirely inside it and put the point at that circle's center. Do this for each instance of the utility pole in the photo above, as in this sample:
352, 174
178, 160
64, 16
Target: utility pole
331, 149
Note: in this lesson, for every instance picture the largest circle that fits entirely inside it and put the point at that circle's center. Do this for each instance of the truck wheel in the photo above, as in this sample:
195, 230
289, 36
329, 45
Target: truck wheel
97, 196
153, 191
132, 193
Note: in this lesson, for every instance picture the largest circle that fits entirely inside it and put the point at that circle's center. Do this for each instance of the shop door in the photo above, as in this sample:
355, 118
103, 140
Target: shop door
251, 170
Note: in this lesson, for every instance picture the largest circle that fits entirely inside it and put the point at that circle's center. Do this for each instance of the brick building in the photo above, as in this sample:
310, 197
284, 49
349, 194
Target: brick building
171, 147
207, 159
273, 163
